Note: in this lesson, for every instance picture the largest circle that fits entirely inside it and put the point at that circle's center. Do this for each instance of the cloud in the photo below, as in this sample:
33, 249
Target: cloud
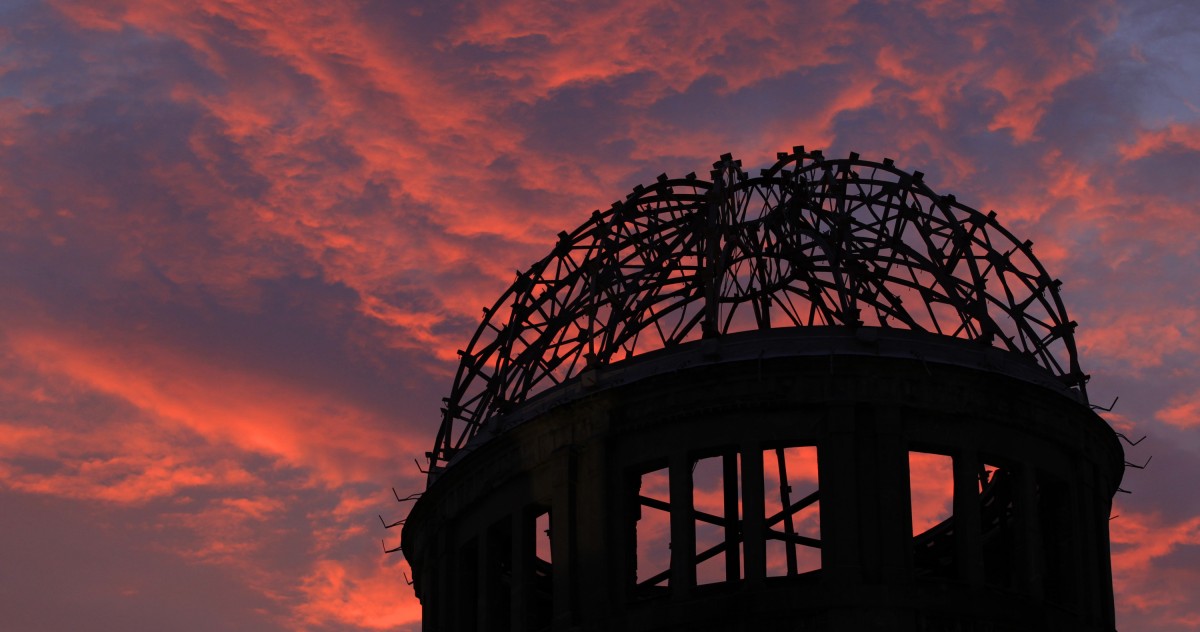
1174, 138
249, 412
542, 49
1142, 339
363, 596
1152, 589
1183, 411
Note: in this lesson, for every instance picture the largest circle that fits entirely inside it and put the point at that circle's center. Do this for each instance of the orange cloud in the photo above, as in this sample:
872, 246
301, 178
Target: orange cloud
388, 110
1144, 585
223, 405
366, 596
1140, 340
171, 448
376, 122
553, 47
1173, 137
1183, 411
231, 531
125, 479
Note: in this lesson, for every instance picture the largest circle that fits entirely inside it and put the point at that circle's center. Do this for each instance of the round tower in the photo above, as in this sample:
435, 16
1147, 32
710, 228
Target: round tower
819, 398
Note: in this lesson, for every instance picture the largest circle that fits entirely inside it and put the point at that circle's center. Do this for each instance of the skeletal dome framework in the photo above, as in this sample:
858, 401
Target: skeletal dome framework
809, 242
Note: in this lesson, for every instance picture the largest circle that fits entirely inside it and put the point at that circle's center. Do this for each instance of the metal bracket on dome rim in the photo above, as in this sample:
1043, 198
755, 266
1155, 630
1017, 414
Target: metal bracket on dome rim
808, 242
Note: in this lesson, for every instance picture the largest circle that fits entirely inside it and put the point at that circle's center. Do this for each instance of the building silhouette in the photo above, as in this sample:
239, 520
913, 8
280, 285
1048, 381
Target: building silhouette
822, 397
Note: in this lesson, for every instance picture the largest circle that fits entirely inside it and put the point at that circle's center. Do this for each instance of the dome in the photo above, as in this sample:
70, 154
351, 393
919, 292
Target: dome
809, 242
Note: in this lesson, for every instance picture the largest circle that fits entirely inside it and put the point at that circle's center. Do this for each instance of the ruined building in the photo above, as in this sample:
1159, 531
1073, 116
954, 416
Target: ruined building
822, 397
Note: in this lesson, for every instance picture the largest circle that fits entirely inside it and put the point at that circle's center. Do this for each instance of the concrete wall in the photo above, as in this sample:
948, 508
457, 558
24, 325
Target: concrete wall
1028, 552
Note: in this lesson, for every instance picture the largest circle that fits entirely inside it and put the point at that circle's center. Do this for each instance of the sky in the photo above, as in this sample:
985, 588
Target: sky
241, 242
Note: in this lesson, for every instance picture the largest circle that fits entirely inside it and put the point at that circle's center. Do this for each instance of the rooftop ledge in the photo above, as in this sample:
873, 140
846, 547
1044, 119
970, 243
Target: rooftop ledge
793, 342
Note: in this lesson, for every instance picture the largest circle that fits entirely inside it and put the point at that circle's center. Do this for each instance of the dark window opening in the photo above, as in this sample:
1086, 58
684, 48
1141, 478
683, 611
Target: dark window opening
793, 511
931, 499
652, 537
997, 493
717, 518
540, 578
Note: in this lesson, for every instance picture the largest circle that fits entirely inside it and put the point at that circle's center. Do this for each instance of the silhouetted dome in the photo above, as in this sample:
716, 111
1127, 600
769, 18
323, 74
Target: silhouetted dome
809, 242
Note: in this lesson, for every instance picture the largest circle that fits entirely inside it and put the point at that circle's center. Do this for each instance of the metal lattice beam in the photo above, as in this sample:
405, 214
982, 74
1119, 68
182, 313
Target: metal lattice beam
808, 242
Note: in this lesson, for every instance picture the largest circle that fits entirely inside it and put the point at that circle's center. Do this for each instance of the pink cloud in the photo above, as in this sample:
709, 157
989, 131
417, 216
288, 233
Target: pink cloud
1183, 411
358, 94
553, 47
231, 531
1158, 594
1173, 137
365, 596
222, 405
1141, 339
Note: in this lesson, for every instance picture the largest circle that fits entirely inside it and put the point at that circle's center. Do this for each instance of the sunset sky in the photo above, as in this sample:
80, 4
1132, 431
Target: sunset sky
242, 240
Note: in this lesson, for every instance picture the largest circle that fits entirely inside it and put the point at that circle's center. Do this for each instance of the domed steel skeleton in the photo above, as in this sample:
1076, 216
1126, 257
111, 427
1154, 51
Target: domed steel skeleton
809, 242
